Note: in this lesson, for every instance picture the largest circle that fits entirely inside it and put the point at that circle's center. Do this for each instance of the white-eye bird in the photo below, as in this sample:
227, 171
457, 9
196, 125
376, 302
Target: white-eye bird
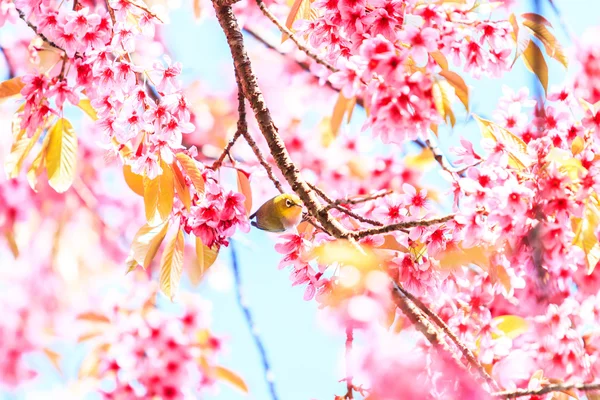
278, 214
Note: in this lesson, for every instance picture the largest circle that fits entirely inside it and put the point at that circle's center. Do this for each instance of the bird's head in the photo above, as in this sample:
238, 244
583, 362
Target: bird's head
289, 207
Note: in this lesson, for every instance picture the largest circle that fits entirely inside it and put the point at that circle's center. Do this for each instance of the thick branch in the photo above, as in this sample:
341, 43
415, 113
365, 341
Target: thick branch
461, 346
560, 387
243, 69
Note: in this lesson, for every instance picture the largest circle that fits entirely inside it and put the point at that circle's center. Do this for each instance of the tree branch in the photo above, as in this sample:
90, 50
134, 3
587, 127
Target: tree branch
349, 384
35, 29
446, 329
250, 322
346, 211
291, 35
399, 226
559, 387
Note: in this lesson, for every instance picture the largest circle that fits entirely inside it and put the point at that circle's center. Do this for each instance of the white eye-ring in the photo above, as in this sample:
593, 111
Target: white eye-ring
288, 203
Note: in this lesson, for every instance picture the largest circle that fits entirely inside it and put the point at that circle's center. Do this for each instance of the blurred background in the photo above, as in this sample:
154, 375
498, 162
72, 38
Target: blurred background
86, 256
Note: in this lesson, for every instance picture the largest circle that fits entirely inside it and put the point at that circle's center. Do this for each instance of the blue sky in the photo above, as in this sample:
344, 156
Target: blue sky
305, 358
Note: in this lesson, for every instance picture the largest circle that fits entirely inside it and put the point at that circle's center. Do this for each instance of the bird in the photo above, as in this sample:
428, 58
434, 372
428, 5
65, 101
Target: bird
278, 214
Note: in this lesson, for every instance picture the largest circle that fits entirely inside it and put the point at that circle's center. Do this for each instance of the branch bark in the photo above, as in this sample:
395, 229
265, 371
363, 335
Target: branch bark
560, 387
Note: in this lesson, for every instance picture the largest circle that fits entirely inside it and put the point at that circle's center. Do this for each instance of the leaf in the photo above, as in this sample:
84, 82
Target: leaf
171, 265
19, 152
577, 146
11, 87
327, 136
440, 59
89, 335
205, 258
516, 147
197, 9
461, 90
87, 108
158, 196
440, 91
191, 170
511, 326
231, 377
534, 61
552, 46
300, 10
61, 159
423, 159
566, 163
54, 358
91, 363
146, 242
515, 25
245, 189
133, 180
12, 243
181, 188
38, 165
342, 106
344, 252
93, 317
455, 257
585, 237
536, 18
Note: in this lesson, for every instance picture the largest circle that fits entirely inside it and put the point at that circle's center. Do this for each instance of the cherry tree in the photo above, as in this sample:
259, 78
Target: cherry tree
481, 286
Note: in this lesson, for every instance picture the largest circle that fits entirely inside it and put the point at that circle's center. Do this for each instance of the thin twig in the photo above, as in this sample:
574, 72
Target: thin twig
35, 29
250, 322
557, 387
461, 346
400, 226
219, 161
291, 35
359, 200
331, 204
349, 384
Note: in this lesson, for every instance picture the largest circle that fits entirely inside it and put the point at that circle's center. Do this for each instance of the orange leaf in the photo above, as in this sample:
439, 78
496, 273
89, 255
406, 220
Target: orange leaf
158, 196
197, 9
87, 336
537, 18
342, 106
12, 243
205, 258
93, 317
181, 188
440, 59
87, 108
534, 61
171, 265
11, 87
245, 189
460, 87
146, 242
54, 358
300, 10
133, 180
231, 377
552, 46
191, 170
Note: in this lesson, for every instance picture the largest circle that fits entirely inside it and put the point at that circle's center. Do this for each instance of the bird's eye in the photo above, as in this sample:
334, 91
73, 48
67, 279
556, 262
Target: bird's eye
288, 203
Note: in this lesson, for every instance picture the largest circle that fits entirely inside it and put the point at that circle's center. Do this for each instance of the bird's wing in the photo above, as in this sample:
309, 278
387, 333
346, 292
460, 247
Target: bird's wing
263, 228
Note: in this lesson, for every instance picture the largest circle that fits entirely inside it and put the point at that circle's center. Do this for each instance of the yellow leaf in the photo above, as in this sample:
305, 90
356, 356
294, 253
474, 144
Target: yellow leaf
515, 25
12, 243
460, 87
537, 18
516, 147
566, 164
19, 152
552, 46
423, 159
54, 358
146, 242
440, 92
61, 159
181, 188
577, 145
534, 61
191, 170
511, 326
327, 136
91, 363
171, 265
158, 196
93, 317
440, 59
37, 166
231, 377
205, 258
585, 236
11, 87
300, 10
455, 257
342, 106
133, 180
197, 9
345, 252
245, 189
87, 108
